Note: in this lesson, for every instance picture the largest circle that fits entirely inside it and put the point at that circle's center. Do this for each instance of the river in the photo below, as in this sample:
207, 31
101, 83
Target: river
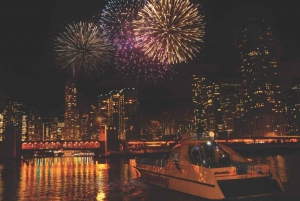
83, 178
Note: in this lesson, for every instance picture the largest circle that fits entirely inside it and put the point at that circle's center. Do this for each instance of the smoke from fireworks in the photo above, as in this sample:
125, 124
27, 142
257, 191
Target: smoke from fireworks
131, 64
82, 47
169, 30
117, 17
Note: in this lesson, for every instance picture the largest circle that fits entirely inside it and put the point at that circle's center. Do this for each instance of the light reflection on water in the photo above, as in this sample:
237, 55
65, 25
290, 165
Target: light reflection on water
82, 178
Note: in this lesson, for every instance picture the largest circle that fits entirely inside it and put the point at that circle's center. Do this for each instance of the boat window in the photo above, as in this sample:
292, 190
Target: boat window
202, 154
210, 155
223, 157
196, 155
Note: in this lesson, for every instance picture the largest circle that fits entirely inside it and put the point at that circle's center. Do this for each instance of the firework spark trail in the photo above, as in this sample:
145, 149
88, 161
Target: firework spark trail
82, 47
130, 62
133, 65
169, 30
117, 17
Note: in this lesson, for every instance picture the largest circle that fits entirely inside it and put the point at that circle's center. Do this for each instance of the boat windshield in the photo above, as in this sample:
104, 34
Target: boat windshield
209, 154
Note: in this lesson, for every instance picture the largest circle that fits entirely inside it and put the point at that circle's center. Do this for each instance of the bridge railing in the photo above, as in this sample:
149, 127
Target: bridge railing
59, 145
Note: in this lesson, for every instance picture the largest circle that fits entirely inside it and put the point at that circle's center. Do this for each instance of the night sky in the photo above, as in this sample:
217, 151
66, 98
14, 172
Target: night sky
29, 72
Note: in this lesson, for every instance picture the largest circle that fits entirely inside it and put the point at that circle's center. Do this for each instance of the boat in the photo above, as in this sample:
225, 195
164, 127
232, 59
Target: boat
199, 166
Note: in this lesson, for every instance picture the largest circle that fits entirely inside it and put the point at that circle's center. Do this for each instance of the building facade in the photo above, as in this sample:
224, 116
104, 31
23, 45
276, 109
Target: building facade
206, 98
291, 99
232, 105
260, 81
71, 117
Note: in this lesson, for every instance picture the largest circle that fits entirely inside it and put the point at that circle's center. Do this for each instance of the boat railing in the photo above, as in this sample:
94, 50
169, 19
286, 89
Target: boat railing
154, 162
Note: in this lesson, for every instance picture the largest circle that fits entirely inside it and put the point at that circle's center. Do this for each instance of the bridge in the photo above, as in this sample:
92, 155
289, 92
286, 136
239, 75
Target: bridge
57, 145
136, 145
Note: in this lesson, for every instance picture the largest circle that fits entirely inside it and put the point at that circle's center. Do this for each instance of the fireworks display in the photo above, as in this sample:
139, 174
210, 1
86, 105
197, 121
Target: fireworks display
131, 64
130, 61
169, 30
116, 18
82, 47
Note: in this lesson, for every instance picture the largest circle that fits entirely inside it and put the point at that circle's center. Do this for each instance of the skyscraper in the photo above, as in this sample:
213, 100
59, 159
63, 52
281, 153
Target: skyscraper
128, 114
260, 80
72, 125
84, 125
232, 105
206, 98
291, 99
113, 110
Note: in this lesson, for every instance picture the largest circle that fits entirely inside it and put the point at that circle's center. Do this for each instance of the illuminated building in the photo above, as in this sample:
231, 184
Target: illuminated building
260, 80
168, 123
60, 130
72, 123
38, 129
1, 125
24, 127
93, 126
17, 114
53, 129
232, 106
128, 114
46, 130
113, 110
84, 126
102, 105
206, 98
31, 124
291, 99
120, 110
154, 130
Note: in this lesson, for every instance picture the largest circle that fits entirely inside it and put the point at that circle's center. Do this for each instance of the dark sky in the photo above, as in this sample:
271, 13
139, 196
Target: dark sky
28, 70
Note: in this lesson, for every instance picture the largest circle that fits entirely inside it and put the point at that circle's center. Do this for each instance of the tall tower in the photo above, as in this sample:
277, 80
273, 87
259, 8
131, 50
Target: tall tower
260, 80
206, 98
128, 114
232, 105
291, 99
72, 125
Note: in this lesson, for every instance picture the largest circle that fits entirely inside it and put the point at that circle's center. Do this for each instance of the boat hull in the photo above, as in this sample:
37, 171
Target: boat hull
192, 187
221, 189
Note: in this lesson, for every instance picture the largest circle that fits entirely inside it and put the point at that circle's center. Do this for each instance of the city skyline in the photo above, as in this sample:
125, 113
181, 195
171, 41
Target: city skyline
32, 72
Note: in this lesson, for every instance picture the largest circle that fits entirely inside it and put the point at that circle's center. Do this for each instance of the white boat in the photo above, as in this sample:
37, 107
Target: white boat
199, 166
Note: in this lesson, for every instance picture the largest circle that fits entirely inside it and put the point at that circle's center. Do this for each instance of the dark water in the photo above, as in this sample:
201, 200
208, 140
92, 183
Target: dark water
75, 178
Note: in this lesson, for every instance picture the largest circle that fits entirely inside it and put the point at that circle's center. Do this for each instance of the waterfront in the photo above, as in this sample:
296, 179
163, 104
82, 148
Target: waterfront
83, 178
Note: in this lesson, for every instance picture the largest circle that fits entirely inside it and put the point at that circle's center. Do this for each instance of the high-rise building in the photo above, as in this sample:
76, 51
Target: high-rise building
46, 130
38, 129
291, 99
53, 129
17, 114
72, 124
168, 123
93, 128
129, 127
206, 98
113, 110
102, 105
232, 105
84, 126
31, 124
260, 80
